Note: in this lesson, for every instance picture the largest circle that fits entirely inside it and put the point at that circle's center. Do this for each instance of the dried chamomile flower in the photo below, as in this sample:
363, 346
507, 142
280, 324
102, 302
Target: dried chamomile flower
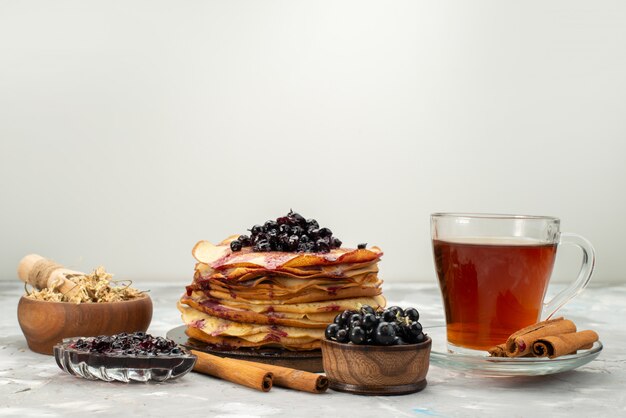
96, 287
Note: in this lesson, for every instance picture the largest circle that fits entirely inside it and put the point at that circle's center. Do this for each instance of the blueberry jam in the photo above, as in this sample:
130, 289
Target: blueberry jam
391, 326
135, 344
124, 357
289, 233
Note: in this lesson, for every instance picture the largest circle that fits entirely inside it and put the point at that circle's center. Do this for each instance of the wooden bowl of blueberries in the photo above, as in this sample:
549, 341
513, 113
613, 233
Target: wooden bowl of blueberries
370, 352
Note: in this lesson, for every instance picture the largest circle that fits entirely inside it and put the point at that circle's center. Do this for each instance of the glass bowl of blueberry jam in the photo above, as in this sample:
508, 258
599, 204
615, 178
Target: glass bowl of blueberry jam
124, 357
371, 352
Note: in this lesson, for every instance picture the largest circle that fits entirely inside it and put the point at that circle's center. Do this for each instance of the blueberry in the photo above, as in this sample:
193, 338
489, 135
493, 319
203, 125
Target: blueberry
396, 310
102, 344
297, 219
312, 223
325, 232
322, 246
411, 331
389, 315
355, 317
385, 334
357, 335
304, 239
293, 242
412, 314
335, 242
235, 245
256, 229
331, 331
262, 245
161, 343
400, 341
269, 225
355, 324
244, 239
273, 240
367, 309
345, 316
370, 321
342, 336
362, 246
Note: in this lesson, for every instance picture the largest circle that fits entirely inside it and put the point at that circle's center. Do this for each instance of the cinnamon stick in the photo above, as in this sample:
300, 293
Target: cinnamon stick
281, 376
293, 378
233, 371
521, 342
498, 351
559, 345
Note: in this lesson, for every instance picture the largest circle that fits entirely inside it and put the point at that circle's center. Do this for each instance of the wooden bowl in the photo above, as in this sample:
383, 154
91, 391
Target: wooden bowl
46, 323
376, 370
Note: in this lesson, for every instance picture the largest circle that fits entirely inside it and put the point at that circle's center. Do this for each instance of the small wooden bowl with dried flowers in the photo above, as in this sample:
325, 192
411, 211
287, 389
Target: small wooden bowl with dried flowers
69, 303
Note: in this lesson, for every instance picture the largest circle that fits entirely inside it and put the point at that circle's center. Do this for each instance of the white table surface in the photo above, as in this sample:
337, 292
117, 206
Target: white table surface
33, 385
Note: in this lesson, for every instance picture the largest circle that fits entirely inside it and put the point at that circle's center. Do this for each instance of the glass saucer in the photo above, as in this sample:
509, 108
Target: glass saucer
120, 367
504, 366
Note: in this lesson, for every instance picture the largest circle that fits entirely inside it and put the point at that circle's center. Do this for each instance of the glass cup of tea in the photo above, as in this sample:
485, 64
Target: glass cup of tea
494, 271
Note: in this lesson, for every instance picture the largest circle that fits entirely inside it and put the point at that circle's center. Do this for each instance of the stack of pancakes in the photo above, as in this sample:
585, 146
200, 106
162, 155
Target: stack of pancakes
275, 299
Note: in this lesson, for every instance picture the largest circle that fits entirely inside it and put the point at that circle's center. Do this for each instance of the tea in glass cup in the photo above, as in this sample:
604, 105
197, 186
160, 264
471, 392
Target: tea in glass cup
494, 272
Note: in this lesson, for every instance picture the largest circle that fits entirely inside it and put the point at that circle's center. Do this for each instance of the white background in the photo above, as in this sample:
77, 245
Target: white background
131, 129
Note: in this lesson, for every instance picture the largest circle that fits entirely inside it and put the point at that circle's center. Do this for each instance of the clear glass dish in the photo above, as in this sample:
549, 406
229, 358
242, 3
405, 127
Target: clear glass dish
121, 368
504, 366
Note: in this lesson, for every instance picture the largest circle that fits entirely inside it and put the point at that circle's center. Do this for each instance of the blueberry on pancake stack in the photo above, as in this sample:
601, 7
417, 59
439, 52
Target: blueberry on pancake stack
280, 286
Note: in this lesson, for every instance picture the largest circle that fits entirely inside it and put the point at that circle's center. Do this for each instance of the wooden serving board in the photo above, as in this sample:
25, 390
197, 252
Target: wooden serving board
309, 361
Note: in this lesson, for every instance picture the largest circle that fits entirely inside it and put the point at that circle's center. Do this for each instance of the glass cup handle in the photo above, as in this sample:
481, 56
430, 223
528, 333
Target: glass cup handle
586, 270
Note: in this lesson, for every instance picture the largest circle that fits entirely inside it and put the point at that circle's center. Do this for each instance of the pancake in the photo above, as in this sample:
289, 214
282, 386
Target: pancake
219, 331
281, 289
306, 315
220, 257
234, 343
302, 297
243, 274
